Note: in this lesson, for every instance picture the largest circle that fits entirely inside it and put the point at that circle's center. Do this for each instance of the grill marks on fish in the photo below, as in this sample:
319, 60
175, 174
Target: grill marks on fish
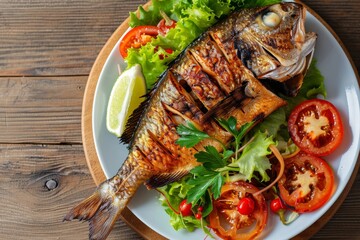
207, 81
214, 63
200, 83
224, 89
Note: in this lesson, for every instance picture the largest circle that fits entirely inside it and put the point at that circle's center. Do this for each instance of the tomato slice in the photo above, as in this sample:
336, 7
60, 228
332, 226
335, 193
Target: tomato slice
225, 219
315, 127
137, 37
307, 182
165, 25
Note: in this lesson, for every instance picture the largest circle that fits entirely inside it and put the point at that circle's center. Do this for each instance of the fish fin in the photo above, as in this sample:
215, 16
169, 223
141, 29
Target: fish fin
134, 120
136, 116
163, 179
100, 211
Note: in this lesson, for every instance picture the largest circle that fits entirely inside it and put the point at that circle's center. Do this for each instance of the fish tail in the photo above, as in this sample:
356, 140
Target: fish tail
101, 210
105, 205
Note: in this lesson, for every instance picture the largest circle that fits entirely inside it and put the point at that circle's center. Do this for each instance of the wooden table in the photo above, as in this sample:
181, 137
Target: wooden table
47, 48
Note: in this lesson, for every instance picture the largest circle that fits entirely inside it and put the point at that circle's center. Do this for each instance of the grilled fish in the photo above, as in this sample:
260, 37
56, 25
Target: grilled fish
216, 76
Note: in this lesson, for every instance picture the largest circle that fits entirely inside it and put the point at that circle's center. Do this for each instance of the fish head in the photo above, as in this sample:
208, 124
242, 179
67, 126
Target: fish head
279, 29
275, 45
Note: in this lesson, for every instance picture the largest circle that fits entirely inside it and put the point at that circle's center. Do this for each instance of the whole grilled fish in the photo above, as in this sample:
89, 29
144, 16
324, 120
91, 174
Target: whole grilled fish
216, 76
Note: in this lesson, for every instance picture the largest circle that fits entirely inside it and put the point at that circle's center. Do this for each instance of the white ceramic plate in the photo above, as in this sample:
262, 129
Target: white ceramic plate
343, 92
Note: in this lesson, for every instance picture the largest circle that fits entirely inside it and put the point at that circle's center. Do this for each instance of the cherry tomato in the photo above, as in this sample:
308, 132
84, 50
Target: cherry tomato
276, 205
246, 206
315, 127
225, 219
137, 37
198, 215
307, 182
185, 208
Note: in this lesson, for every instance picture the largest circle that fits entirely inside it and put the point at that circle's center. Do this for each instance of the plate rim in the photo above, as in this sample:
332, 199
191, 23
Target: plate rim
94, 164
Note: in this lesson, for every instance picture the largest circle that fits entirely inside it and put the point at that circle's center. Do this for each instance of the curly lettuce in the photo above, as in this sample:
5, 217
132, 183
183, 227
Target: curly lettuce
193, 18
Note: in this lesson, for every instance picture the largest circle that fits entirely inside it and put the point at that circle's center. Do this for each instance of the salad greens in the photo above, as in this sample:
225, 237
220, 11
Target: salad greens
204, 182
193, 18
245, 157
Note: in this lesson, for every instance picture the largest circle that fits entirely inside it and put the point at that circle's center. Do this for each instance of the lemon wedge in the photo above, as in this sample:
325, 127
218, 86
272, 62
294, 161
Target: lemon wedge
126, 96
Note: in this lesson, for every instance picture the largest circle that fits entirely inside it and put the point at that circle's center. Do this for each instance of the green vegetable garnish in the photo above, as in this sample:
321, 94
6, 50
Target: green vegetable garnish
193, 18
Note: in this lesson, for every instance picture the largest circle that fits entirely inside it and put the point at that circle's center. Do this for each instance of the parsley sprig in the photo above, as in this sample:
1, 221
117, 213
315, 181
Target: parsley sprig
210, 175
190, 136
230, 126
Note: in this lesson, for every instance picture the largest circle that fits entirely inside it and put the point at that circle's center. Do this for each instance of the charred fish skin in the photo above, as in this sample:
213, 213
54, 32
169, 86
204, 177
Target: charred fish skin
273, 44
215, 77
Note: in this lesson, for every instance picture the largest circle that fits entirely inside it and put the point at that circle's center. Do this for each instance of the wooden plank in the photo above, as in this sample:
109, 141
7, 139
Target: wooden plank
345, 223
26, 202
56, 37
64, 37
343, 17
41, 110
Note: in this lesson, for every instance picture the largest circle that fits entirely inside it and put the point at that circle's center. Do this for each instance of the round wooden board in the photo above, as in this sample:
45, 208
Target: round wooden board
94, 164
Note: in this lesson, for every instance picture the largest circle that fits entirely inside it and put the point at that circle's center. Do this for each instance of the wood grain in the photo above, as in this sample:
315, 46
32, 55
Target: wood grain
56, 37
41, 110
47, 48
31, 211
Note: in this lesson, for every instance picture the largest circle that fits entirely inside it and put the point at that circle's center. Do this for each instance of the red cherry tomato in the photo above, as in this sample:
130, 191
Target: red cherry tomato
276, 205
307, 182
225, 218
185, 208
246, 206
315, 127
137, 37
198, 216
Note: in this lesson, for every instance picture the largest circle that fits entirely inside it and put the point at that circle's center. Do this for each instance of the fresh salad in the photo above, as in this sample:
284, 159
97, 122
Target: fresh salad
276, 164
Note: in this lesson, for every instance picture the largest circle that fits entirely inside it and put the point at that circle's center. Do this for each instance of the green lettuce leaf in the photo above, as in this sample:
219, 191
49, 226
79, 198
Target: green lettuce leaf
313, 85
193, 18
253, 158
151, 16
255, 3
173, 194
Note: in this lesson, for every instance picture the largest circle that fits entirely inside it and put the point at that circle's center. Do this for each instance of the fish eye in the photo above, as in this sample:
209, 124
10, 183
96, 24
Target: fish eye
271, 19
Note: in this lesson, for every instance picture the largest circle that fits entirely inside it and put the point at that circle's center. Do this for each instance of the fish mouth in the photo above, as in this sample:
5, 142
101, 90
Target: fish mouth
284, 72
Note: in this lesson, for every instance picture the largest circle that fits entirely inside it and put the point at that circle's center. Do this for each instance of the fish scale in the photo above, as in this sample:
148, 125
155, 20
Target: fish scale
217, 76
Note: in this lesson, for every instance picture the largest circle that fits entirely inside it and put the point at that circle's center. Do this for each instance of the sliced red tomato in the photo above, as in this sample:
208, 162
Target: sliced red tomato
225, 219
307, 182
165, 25
137, 37
315, 127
